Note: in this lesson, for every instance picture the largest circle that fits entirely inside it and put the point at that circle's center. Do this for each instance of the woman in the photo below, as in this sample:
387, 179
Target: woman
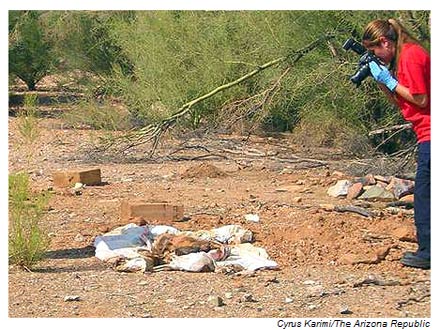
407, 83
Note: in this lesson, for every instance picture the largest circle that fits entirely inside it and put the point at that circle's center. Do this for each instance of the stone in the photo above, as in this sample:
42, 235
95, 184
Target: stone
355, 190
345, 311
215, 301
339, 189
405, 234
367, 180
377, 193
71, 298
400, 187
252, 217
327, 207
228, 295
382, 178
407, 199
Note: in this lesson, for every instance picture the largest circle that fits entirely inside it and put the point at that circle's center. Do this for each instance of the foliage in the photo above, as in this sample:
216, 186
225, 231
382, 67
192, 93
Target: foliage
28, 240
156, 61
104, 115
27, 120
178, 56
30, 55
82, 42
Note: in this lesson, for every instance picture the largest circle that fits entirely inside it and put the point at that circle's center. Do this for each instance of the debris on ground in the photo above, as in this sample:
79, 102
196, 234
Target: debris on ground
203, 170
133, 248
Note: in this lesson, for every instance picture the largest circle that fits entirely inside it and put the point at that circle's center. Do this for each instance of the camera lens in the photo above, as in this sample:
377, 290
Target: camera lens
360, 75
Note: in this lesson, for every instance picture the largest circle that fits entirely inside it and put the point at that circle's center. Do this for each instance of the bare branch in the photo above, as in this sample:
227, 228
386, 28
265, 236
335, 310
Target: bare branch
391, 129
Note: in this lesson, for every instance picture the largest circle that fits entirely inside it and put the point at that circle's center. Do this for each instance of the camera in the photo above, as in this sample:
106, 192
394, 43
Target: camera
366, 57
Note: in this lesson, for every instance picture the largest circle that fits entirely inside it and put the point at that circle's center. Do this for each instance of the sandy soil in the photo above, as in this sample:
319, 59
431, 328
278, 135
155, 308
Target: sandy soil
331, 264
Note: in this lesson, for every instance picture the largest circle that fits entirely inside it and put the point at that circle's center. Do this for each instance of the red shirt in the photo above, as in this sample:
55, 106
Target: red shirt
414, 72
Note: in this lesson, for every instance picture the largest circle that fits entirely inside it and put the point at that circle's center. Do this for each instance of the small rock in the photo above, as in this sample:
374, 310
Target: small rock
407, 199
382, 178
79, 238
345, 310
215, 301
327, 207
355, 190
247, 297
78, 185
405, 234
339, 189
228, 295
400, 187
377, 193
367, 180
288, 300
252, 217
71, 298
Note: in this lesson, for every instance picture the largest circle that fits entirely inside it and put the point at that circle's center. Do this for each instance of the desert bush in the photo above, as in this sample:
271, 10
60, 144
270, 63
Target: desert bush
98, 115
28, 120
156, 61
180, 55
28, 240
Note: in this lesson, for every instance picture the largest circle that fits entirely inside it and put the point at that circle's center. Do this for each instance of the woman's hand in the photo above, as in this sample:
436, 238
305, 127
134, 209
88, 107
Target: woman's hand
381, 74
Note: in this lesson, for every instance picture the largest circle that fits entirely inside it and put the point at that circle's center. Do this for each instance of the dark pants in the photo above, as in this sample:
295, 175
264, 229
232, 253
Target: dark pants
422, 200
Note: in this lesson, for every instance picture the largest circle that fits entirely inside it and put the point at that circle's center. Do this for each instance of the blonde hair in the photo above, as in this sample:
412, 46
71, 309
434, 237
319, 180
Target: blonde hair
393, 31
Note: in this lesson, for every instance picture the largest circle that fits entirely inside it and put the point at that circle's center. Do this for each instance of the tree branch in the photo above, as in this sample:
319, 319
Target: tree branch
154, 132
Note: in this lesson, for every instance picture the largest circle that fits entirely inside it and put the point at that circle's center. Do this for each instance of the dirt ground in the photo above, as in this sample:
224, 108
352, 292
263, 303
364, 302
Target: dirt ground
331, 264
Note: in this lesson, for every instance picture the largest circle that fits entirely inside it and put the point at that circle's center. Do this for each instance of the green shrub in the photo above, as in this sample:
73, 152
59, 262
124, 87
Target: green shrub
28, 240
105, 115
28, 120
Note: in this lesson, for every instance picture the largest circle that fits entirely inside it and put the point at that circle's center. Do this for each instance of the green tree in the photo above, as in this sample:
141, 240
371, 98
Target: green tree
83, 42
30, 52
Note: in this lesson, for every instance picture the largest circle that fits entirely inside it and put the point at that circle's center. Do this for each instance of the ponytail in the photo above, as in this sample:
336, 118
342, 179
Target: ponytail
403, 36
390, 29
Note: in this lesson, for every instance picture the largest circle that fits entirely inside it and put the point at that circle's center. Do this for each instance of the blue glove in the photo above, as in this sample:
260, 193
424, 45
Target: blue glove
381, 74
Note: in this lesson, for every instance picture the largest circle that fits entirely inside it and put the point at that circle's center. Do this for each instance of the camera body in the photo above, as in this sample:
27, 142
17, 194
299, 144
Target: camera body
366, 57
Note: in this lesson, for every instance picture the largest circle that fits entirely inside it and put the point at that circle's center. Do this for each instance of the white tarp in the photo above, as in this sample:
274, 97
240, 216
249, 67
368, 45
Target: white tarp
127, 240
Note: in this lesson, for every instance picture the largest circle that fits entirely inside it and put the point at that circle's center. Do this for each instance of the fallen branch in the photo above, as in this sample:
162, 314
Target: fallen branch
155, 131
402, 303
390, 129
248, 108
348, 208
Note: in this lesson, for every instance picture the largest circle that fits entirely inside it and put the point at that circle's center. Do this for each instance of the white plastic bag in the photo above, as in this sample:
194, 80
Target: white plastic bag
193, 262
232, 234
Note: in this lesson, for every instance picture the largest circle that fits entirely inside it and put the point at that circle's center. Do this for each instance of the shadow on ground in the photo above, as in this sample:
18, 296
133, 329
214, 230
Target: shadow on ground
74, 253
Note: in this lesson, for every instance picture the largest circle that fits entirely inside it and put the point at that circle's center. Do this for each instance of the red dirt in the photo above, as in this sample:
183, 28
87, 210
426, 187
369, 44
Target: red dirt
330, 262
